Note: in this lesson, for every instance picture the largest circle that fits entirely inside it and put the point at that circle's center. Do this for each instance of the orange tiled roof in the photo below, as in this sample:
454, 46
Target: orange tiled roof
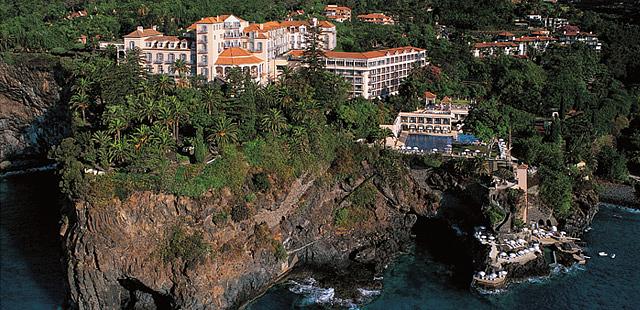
374, 16
495, 44
506, 34
362, 55
336, 8
212, 20
429, 95
143, 33
534, 39
163, 38
237, 56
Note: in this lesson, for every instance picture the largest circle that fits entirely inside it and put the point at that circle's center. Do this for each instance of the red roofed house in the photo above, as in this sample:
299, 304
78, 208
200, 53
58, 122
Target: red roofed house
376, 18
159, 52
487, 49
570, 34
337, 13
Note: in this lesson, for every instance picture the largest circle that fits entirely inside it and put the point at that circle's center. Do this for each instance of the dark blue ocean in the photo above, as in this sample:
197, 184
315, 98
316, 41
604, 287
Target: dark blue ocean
31, 275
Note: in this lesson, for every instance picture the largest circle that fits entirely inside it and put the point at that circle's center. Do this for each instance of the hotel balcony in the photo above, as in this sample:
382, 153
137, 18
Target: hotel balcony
202, 64
202, 51
158, 61
232, 35
202, 32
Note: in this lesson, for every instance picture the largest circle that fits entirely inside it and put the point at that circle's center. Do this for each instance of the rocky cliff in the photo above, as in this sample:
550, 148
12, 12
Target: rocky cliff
32, 116
115, 249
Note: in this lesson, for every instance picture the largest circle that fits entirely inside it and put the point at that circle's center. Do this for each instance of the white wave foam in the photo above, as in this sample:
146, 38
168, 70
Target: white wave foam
625, 209
25, 171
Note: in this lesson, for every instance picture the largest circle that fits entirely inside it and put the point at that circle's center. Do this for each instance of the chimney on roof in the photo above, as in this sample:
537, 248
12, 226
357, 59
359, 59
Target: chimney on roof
314, 22
140, 28
154, 27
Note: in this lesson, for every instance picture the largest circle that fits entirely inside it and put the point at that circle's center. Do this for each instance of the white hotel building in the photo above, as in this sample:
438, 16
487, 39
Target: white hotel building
375, 73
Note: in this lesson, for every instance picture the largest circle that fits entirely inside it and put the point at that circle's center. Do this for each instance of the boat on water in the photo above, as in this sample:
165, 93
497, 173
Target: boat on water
613, 255
603, 253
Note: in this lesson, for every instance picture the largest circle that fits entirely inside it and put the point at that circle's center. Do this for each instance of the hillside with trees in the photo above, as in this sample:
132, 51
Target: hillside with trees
141, 126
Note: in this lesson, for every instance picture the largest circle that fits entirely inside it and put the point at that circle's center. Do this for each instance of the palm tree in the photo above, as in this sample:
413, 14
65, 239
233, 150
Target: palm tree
180, 67
274, 122
116, 120
300, 138
120, 151
148, 110
224, 132
161, 137
80, 101
180, 111
211, 99
270, 96
82, 86
141, 136
164, 84
165, 114
101, 138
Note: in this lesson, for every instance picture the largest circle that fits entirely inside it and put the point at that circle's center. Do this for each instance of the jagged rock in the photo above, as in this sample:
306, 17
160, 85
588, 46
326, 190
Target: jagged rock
113, 250
32, 116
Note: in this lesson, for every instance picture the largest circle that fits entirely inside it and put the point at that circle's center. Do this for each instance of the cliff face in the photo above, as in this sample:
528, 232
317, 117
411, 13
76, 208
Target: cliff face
32, 119
114, 249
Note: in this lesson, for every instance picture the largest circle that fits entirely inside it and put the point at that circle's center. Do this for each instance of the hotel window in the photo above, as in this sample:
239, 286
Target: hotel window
203, 28
148, 56
148, 44
183, 56
172, 57
132, 45
159, 57
205, 72
160, 69
203, 59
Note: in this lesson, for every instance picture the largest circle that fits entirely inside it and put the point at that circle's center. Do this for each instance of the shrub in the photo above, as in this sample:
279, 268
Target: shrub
261, 182
364, 195
431, 160
178, 244
349, 217
342, 217
280, 251
200, 148
220, 217
495, 215
250, 197
240, 213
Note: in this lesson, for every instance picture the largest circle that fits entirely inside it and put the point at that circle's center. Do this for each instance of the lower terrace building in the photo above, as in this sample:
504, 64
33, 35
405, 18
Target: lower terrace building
437, 118
375, 73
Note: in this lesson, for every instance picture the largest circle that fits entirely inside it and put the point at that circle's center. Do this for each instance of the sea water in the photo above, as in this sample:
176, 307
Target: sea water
417, 281
31, 274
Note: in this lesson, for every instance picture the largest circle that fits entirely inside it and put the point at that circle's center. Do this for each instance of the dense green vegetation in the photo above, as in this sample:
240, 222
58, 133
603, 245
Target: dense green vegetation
189, 247
152, 133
